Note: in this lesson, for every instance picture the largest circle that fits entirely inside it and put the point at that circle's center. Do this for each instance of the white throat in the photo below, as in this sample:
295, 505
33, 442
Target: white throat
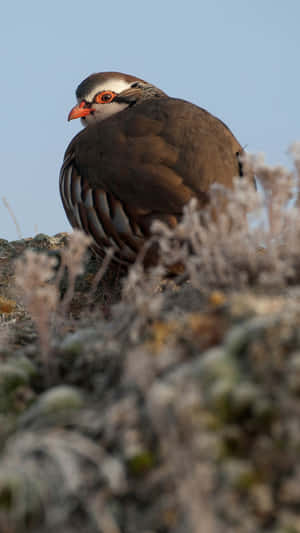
103, 111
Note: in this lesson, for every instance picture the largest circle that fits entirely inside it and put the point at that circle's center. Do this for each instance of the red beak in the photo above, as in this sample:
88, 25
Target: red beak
80, 110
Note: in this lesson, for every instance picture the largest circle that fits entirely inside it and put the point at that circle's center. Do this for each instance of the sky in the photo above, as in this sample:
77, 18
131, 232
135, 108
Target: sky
239, 59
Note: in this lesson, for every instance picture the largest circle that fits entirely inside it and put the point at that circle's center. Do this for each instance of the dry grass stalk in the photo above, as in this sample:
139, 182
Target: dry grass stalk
141, 292
294, 151
72, 258
278, 184
33, 273
13, 216
101, 272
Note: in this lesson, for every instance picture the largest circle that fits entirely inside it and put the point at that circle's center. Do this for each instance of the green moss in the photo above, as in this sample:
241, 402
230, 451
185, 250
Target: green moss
60, 398
6, 498
239, 337
217, 365
141, 463
19, 498
288, 529
24, 364
220, 400
239, 474
74, 343
11, 377
58, 401
41, 237
15, 391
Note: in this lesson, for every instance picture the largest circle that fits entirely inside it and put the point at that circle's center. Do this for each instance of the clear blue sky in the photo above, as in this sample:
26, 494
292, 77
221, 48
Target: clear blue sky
237, 58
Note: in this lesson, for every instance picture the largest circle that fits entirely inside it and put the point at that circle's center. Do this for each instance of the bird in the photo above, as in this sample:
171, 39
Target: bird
141, 156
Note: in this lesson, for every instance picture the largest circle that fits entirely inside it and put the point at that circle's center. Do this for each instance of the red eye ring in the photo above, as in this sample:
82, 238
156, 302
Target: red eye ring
105, 97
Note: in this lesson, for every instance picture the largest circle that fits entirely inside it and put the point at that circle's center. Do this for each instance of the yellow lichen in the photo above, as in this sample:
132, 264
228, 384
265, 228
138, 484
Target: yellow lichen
7, 306
161, 333
217, 298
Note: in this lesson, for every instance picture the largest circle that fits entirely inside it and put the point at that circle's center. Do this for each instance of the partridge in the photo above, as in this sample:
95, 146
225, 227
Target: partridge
141, 156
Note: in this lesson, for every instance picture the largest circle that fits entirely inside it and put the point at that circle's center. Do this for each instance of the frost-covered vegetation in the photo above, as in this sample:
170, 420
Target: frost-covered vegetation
142, 401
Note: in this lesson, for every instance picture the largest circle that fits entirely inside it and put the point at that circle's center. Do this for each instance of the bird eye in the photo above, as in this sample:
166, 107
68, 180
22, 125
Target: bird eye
105, 97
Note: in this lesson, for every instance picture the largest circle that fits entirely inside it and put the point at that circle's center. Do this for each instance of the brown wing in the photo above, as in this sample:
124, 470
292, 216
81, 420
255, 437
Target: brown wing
141, 164
99, 214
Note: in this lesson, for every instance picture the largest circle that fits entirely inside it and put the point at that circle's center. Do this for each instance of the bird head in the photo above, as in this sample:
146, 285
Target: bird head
101, 95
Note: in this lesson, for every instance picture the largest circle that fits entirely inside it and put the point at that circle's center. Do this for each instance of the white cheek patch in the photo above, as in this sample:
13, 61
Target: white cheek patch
103, 111
106, 110
111, 84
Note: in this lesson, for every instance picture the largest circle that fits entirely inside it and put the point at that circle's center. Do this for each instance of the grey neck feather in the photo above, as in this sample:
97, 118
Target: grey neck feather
150, 91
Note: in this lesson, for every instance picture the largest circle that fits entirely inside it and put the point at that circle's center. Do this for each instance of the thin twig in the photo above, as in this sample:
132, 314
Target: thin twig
101, 272
13, 217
